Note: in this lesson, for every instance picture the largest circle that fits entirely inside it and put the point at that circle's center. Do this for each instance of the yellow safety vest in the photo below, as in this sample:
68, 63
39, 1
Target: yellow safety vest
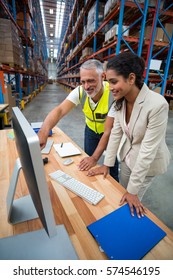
95, 119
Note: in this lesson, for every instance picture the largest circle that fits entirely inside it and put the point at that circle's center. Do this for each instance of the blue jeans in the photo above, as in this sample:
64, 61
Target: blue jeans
90, 144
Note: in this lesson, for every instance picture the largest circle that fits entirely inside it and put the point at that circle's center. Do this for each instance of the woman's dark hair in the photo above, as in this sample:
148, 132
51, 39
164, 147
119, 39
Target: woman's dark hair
126, 63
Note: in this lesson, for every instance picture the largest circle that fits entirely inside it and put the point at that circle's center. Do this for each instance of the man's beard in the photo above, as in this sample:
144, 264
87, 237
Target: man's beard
96, 91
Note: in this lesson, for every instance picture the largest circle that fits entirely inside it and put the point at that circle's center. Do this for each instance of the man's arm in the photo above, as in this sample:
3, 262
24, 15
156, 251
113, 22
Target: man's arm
88, 162
52, 119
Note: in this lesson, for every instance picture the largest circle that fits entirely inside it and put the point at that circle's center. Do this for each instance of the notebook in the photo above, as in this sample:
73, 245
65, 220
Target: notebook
66, 149
123, 237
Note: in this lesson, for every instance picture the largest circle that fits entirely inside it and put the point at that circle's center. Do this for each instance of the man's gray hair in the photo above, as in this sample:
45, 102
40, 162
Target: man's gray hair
93, 64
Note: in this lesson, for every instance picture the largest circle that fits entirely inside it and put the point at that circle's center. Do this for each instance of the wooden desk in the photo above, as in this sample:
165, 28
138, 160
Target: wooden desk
3, 107
69, 209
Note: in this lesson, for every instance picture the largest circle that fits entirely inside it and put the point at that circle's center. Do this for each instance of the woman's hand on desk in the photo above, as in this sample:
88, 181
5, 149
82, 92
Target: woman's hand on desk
99, 170
87, 162
133, 202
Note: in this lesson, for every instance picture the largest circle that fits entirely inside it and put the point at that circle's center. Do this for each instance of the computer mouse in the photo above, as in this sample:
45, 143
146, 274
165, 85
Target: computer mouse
68, 161
45, 160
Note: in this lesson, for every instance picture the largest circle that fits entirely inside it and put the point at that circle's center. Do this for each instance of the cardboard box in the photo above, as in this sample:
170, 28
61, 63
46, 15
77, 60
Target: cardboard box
107, 35
114, 30
147, 32
9, 99
107, 7
153, 3
169, 30
159, 34
87, 51
158, 89
171, 105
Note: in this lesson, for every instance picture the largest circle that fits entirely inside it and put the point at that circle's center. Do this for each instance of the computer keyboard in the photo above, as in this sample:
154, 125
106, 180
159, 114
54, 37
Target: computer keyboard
77, 187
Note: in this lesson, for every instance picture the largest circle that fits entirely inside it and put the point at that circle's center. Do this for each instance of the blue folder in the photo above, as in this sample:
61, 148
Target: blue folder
123, 237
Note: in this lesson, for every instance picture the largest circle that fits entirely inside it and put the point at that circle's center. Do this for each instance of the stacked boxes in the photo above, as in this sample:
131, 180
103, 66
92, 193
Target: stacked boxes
84, 34
87, 52
10, 44
158, 35
169, 30
114, 32
108, 6
31, 61
9, 99
26, 27
91, 20
30, 6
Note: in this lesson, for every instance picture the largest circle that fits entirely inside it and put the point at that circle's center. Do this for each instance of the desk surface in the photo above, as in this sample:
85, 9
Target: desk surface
70, 209
3, 107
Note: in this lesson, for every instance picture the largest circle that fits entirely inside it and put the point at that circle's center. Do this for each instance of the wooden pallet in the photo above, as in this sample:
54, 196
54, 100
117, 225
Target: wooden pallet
88, 36
12, 65
83, 57
110, 40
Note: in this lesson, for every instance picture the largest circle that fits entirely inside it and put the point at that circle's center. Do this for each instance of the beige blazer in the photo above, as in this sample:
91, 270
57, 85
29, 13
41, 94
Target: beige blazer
148, 152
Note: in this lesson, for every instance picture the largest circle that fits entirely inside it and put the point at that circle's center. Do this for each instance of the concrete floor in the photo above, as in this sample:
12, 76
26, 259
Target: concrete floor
158, 199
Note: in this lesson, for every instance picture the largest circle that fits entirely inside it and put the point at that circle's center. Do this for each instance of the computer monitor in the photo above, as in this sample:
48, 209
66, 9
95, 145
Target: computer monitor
37, 244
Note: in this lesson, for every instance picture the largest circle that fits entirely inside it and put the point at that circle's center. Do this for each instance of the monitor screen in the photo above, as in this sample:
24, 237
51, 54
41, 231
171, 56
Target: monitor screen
28, 148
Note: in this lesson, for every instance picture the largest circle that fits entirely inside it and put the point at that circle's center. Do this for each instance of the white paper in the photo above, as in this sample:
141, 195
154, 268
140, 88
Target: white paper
67, 149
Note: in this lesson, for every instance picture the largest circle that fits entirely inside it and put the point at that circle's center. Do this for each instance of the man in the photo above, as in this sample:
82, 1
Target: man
95, 97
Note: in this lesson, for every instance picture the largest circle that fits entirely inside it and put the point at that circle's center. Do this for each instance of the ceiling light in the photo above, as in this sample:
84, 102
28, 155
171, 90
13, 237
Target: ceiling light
55, 53
51, 46
51, 11
51, 34
43, 18
51, 25
59, 18
51, 41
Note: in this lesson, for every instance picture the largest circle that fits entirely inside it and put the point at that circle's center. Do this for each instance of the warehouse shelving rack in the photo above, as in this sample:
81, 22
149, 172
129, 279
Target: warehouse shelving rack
67, 12
35, 44
164, 51
144, 14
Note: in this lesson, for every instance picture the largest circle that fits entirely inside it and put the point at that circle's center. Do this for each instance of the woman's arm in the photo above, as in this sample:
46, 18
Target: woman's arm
88, 162
111, 150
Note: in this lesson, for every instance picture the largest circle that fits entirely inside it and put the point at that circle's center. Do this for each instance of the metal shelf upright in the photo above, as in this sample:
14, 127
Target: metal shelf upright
140, 20
164, 52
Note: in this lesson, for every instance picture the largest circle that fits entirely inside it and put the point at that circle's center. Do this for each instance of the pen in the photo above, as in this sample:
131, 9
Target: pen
61, 145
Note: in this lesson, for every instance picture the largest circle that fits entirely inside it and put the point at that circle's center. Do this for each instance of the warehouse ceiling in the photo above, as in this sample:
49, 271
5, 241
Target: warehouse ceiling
55, 15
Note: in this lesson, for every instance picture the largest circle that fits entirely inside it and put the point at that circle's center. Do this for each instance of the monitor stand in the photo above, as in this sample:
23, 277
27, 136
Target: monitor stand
21, 209
37, 245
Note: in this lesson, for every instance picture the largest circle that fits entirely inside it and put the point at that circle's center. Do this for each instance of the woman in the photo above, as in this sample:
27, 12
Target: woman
138, 132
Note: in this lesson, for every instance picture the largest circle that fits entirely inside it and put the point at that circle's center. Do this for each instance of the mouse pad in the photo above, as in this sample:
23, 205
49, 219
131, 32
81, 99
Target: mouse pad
123, 237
